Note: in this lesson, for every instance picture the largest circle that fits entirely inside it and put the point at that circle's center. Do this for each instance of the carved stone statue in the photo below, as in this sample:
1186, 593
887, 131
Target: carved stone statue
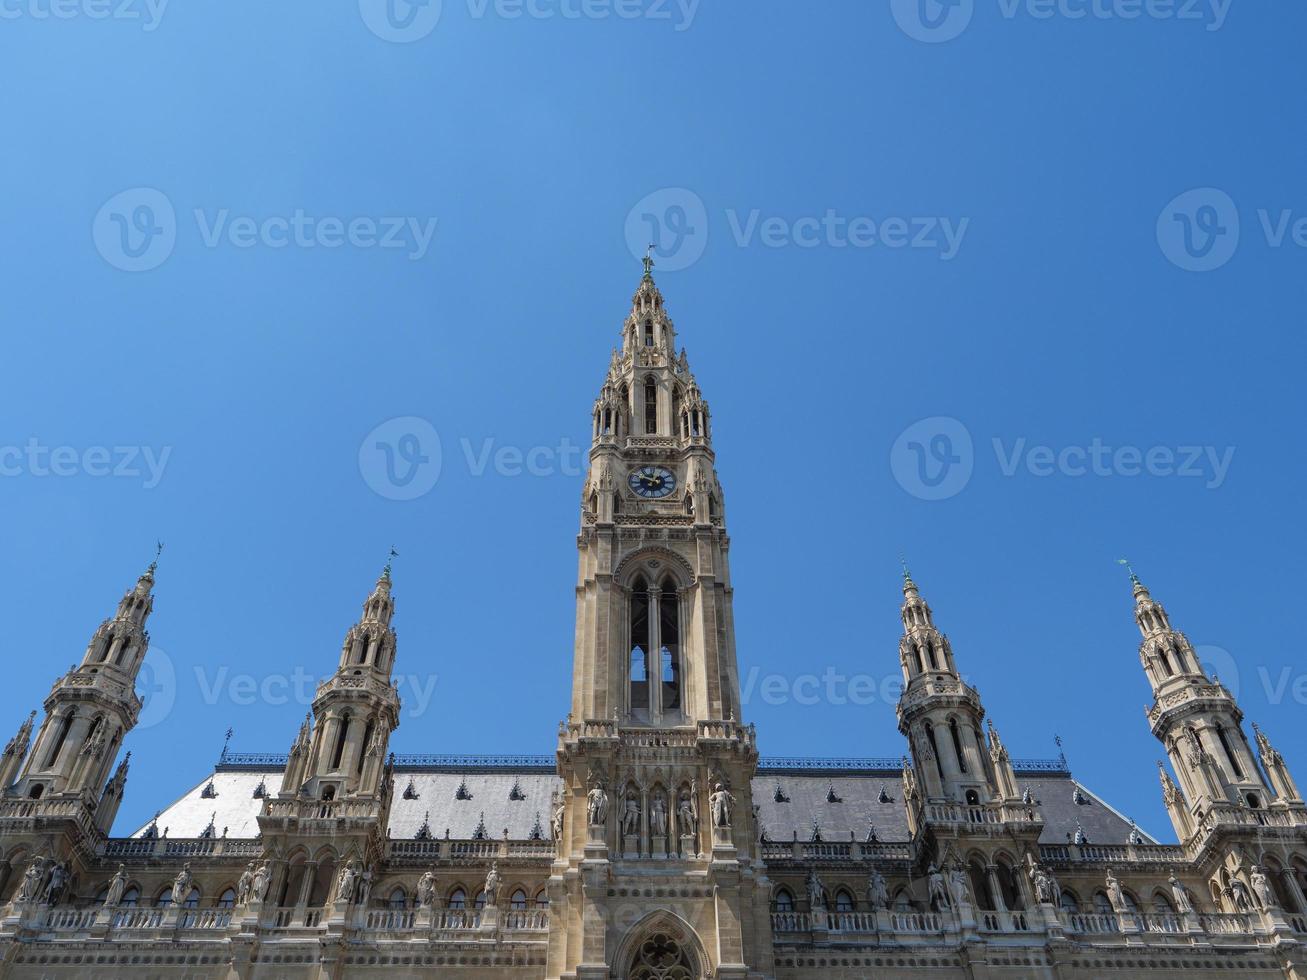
1239, 894
816, 894
556, 820
426, 890
346, 882
631, 816
687, 814
658, 816
54, 888
1180, 894
597, 804
245, 884
117, 885
1115, 894
32, 878
181, 885
1043, 885
1262, 887
365, 887
877, 890
493, 883
259, 887
721, 803
938, 889
959, 886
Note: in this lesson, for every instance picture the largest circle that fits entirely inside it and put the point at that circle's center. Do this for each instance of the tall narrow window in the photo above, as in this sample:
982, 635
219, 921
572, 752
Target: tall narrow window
651, 407
108, 645
669, 637
341, 734
59, 742
1229, 752
957, 744
934, 749
639, 647
648, 333
363, 747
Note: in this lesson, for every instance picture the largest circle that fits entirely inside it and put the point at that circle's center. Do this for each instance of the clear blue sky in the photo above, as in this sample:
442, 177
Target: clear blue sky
1059, 317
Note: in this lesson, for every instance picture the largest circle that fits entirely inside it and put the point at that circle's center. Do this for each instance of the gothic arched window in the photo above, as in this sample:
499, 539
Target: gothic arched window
1224, 738
341, 734
957, 744
639, 647
518, 900
784, 901
458, 899
398, 899
131, 898
541, 900
192, 900
669, 638
648, 333
53, 757
650, 407
227, 900
843, 901
661, 957
363, 747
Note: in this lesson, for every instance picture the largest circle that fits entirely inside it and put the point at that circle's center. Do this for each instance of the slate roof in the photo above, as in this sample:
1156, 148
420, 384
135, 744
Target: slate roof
807, 785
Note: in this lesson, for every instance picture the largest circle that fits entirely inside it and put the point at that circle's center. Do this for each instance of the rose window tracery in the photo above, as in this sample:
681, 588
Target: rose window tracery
661, 957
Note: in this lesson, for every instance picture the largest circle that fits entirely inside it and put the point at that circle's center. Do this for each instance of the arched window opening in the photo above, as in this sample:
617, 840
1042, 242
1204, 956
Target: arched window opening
973, 798
957, 745
192, 900
398, 899
661, 957
980, 885
323, 881
1254, 801
131, 898
35, 792
639, 647
164, 899
1068, 902
651, 407
482, 899
227, 900
342, 731
1229, 752
518, 900
55, 749
1007, 883
541, 900
1162, 905
843, 901
362, 656
669, 637
648, 333
934, 749
108, 646
328, 794
122, 653
784, 901
363, 747
458, 899
1165, 663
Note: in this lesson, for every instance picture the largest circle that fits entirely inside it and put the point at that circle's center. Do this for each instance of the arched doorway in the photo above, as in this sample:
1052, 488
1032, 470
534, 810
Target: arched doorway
661, 947
662, 957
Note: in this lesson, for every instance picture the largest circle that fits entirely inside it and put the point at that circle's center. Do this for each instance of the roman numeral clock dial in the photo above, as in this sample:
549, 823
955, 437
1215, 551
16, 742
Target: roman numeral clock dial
652, 482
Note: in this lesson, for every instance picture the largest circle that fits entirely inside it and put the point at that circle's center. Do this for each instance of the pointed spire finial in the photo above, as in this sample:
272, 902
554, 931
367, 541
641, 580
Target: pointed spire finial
648, 263
1129, 568
158, 550
385, 572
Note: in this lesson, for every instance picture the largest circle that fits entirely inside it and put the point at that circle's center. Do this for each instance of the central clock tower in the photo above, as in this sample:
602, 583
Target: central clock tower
655, 761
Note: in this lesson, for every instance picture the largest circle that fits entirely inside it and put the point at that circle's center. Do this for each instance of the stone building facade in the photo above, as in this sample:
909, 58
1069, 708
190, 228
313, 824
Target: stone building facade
654, 844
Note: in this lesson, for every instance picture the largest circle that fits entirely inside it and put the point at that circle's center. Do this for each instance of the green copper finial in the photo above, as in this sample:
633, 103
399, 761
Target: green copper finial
907, 575
158, 550
385, 572
1133, 577
648, 263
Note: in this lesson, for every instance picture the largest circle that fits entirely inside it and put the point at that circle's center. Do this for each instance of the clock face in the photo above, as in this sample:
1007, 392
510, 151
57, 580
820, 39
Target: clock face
652, 481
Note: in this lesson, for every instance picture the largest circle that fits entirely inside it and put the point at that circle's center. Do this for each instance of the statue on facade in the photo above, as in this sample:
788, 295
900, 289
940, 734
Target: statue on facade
721, 803
597, 803
426, 890
556, 820
1239, 895
816, 894
631, 816
181, 885
938, 889
658, 816
365, 887
1262, 887
245, 884
346, 882
54, 888
493, 882
959, 886
1043, 885
1115, 894
117, 885
259, 887
877, 890
32, 878
1180, 895
687, 812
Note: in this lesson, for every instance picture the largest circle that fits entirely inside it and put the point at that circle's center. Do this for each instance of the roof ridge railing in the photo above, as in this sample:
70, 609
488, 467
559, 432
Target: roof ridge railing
256, 761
